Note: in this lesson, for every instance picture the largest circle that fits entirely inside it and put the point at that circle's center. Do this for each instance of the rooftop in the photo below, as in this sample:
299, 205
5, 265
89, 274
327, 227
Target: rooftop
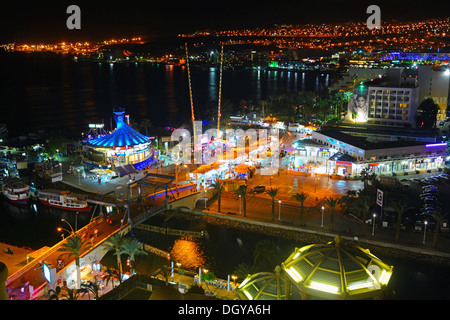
362, 143
123, 136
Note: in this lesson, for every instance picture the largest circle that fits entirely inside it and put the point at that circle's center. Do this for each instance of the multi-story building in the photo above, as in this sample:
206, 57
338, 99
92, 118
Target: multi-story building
434, 83
388, 101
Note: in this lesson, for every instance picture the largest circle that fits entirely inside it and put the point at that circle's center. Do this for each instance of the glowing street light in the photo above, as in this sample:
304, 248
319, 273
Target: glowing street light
425, 231
373, 224
323, 208
240, 204
279, 209
64, 220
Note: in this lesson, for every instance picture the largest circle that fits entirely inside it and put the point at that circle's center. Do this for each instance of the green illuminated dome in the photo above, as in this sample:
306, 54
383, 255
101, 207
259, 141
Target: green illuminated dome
264, 286
336, 271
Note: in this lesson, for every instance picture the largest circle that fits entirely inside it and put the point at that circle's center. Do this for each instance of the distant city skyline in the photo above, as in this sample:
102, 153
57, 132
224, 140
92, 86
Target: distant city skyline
45, 21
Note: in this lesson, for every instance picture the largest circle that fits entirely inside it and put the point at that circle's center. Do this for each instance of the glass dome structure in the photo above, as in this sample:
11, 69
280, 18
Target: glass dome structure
264, 286
336, 271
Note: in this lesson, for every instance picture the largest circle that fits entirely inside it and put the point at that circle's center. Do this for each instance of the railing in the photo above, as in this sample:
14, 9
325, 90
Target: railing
47, 253
172, 232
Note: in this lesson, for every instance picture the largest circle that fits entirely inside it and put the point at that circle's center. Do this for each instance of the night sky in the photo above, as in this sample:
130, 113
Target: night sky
45, 21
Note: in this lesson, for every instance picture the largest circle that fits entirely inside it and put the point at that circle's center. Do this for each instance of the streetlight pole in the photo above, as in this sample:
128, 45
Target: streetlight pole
240, 204
323, 208
279, 209
425, 231
79, 176
64, 220
373, 224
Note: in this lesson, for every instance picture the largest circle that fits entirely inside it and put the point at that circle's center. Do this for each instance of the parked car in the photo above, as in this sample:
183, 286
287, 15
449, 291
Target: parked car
259, 189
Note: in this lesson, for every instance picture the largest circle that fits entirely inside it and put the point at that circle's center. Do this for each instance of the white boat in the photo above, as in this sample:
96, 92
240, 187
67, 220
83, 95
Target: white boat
63, 200
17, 191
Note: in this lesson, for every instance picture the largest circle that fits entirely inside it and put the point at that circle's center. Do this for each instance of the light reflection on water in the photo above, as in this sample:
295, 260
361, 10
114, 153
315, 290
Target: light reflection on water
61, 94
225, 248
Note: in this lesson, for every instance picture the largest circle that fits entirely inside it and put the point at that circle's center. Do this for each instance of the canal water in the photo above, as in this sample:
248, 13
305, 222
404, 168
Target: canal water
227, 247
223, 248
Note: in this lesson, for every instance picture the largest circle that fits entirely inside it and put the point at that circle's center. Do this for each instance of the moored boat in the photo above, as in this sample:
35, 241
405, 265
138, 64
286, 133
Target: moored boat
16, 191
63, 200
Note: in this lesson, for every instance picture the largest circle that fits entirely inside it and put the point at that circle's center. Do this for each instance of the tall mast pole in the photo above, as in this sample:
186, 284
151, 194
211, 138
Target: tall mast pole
220, 91
190, 92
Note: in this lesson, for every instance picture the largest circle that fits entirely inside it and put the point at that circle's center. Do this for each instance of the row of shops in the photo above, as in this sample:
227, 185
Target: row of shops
344, 155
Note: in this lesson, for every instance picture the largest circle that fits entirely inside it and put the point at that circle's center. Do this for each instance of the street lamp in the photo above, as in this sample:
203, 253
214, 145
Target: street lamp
373, 224
240, 204
64, 220
425, 231
323, 208
79, 176
279, 209
61, 229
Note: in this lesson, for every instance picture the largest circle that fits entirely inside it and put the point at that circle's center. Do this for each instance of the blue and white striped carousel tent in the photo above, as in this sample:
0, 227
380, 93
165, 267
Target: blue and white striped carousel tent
123, 147
123, 136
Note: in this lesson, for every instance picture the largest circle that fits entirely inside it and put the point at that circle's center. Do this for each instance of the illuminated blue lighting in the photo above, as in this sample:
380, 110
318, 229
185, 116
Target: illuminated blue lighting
436, 145
123, 136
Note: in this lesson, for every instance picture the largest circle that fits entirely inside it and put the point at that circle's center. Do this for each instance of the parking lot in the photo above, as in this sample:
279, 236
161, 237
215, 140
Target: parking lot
430, 197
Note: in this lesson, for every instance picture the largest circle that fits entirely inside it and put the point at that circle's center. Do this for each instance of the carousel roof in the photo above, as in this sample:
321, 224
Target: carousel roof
123, 136
337, 271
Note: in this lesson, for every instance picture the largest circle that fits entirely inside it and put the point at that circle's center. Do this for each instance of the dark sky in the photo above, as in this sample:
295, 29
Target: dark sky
45, 21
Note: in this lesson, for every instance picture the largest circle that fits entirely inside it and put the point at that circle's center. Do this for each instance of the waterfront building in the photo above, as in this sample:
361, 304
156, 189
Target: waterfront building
388, 101
350, 154
123, 148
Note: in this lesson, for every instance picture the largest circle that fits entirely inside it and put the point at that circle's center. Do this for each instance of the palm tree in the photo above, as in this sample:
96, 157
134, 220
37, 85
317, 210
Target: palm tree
145, 123
272, 192
265, 256
363, 206
91, 287
218, 185
347, 200
301, 197
72, 294
400, 207
243, 270
114, 243
110, 275
54, 293
366, 177
439, 219
132, 247
242, 191
75, 246
331, 203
